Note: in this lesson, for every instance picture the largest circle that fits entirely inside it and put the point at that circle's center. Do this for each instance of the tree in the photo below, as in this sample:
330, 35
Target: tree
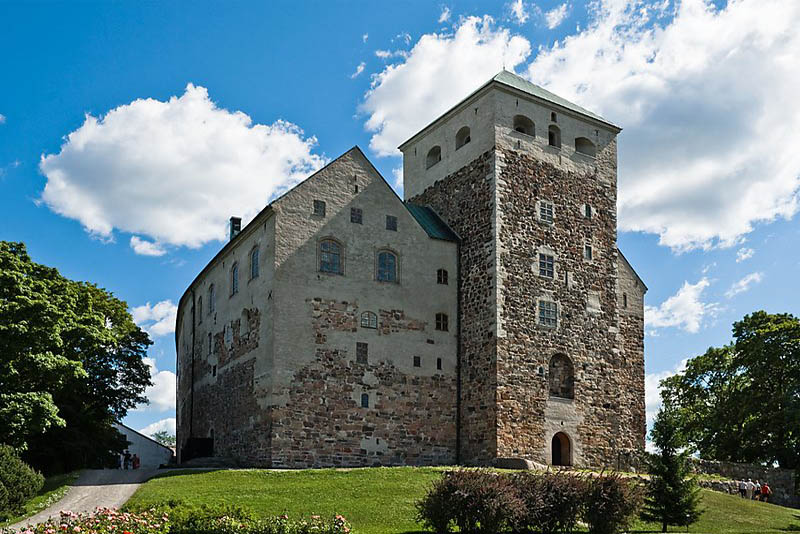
72, 365
164, 438
741, 402
672, 494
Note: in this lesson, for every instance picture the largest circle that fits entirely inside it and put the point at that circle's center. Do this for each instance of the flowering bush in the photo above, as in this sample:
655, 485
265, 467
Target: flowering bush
103, 521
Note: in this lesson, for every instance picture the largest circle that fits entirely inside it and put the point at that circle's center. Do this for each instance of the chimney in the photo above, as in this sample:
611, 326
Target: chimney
236, 226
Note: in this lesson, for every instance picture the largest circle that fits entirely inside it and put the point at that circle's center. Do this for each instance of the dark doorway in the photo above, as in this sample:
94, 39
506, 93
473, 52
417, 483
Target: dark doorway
561, 450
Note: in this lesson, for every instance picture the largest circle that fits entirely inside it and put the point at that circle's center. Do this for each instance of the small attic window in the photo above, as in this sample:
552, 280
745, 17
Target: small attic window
584, 146
462, 137
554, 136
553, 117
434, 156
523, 124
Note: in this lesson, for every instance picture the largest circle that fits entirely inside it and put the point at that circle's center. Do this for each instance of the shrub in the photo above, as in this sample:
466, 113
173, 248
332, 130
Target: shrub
18, 482
476, 500
610, 503
185, 518
103, 521
552, 501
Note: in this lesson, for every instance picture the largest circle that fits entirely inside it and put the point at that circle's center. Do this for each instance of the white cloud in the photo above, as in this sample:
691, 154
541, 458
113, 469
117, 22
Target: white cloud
359, 70
157, 320
174, 171
652, 391
397, 179
556, 16
684, 309
439, 71
162, 393
2, 118
744, 254
445, 15
364, 38
518, 11
744, 284
167, 425
708, 106
146, 248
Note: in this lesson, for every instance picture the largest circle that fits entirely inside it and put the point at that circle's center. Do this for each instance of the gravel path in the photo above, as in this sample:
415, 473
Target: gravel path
107, 488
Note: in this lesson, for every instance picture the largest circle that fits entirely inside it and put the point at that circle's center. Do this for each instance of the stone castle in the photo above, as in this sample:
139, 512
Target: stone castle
489, 315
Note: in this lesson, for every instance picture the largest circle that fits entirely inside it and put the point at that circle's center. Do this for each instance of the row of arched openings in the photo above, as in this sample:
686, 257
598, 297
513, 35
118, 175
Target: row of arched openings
331, 260
211, 293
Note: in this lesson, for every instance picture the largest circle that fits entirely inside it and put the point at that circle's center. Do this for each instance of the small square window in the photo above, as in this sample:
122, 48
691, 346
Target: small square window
548, 313
546, 266
319, 208
546, 211
391, 223
441, 322
362, 352
417, 361
355, 215
587, 252
439, 364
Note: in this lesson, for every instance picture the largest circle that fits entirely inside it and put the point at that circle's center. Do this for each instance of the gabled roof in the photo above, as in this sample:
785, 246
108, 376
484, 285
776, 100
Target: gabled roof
517, 83
621, 255
435, 227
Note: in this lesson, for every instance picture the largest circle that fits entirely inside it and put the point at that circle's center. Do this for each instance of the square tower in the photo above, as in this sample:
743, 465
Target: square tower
551, 361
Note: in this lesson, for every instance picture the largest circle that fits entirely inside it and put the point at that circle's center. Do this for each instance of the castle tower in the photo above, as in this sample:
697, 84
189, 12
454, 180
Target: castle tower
551, 358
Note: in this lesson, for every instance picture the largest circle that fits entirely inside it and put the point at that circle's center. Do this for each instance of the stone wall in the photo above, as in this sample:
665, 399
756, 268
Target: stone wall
781, 481
465, 200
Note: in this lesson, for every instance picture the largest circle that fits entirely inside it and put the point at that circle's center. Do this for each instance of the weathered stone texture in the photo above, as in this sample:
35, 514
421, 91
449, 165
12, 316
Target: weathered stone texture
781, 481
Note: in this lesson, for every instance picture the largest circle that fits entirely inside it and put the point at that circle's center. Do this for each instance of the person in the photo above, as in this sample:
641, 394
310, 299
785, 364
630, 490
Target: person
750, 487
127, 460
742, 488
136, 461
120, 460
766, 491
757, 491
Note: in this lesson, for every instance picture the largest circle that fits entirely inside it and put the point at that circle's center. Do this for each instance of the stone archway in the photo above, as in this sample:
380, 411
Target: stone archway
561, 450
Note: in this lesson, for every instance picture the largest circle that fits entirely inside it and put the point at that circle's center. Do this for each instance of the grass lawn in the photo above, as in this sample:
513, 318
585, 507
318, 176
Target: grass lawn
381, 500
54, 489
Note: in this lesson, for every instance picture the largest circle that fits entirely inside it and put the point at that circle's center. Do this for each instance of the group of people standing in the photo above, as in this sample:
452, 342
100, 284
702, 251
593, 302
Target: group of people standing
128, 461
754, 490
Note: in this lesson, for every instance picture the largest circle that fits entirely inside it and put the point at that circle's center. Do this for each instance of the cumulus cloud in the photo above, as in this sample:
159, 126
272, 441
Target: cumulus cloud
146, 248
2, 118
518, 11
174, 170
556, 16
437, 73
359, 70
744, 254
652, 390
445, 15
685, 309
162, 393
164, 425
157, 320
364, 38
744, 284
707, 101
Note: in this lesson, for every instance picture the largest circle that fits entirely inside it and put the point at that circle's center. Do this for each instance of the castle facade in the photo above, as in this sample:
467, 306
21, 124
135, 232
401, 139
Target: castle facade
488, 315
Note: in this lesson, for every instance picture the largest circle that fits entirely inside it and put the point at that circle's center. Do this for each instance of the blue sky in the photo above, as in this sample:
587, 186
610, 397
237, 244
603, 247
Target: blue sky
130, 132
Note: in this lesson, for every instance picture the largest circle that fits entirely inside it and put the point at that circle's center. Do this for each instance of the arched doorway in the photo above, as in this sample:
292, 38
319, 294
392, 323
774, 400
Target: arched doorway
562, 450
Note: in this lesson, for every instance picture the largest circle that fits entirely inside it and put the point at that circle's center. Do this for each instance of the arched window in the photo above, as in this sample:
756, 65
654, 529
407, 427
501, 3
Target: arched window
364, 400
584, 146
235, 278
462, 137
434, 156
212, 299
562, 377
561, 450
441, 322
523, 124
441, 276
387, 266
554, 136
330, 256
200, 309
254, 263
369, 320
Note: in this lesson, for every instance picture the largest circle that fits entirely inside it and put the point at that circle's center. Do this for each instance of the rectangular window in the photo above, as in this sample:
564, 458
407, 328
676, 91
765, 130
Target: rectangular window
417, 361
319, 208
441, 322
441, 276
624, 300
546, 211
546, 266
361, 352
391, 223
355, 215
214, 371
587, 252
548, 313
439, 364
587, 211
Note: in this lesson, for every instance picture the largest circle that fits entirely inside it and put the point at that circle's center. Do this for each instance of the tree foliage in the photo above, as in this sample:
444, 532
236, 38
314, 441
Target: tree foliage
164, 438
741, 402
72, 364
672, 493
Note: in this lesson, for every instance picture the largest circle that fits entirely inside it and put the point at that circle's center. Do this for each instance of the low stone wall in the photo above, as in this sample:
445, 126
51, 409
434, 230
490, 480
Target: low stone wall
781, 481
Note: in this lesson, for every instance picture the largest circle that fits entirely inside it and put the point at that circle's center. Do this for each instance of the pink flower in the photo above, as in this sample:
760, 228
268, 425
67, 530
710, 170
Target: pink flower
76, 528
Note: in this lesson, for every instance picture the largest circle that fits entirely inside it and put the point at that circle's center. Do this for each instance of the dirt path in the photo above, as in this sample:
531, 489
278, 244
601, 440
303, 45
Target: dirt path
95, 488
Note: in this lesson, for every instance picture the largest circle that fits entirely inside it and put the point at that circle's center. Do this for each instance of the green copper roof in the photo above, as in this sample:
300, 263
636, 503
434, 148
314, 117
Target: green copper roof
431, 223
517, 82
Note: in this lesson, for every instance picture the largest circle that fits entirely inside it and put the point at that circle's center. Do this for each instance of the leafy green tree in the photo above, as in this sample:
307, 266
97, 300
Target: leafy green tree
673, 496
741, 402
72, 364
164, 438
